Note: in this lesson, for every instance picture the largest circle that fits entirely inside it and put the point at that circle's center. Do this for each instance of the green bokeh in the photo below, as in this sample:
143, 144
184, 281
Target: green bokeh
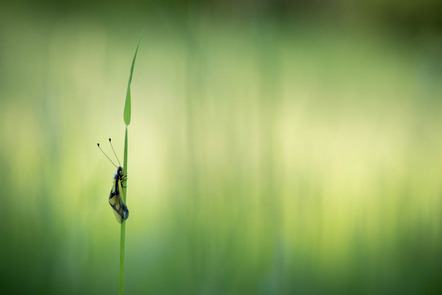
267, 156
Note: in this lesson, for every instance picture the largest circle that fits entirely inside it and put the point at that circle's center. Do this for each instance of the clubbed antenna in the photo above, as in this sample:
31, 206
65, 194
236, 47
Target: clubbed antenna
114, 151
106, 155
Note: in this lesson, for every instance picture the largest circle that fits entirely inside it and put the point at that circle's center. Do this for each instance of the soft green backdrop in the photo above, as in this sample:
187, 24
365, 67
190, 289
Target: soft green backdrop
267, 155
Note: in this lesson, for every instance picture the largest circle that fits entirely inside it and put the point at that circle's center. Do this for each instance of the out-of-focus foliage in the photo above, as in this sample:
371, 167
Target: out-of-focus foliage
269, 155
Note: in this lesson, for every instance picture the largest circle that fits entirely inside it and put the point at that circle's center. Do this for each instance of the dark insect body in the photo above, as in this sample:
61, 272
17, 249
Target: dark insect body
115, 197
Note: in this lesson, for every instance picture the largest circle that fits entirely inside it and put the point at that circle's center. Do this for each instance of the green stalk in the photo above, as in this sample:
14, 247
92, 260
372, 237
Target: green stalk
126, 118
123, 223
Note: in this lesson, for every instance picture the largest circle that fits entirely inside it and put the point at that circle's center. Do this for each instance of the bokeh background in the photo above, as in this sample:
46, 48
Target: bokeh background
276, 147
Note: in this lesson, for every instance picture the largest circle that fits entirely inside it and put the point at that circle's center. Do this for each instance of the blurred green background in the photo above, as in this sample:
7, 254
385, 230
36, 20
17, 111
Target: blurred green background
275, 147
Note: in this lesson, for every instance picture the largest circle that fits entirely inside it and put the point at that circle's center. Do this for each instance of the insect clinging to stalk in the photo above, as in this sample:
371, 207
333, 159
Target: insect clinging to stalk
115, 197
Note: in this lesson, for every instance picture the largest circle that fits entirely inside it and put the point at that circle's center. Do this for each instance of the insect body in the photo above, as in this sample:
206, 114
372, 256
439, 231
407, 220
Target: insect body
115, 197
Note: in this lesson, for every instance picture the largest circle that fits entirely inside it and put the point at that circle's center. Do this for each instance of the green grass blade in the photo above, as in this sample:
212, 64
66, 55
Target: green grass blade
126, 117
125, 165
127, 106
123, 223
122, 243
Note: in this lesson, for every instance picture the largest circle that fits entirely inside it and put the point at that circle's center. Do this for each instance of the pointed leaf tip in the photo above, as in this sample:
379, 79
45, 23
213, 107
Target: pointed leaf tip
127, 105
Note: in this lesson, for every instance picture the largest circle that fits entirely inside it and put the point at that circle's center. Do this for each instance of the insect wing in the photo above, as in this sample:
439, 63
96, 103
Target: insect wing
117, 216
116, 202
124, 213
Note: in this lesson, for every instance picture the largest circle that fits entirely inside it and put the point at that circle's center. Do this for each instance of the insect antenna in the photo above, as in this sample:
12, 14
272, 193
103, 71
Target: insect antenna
114, 151
106, 155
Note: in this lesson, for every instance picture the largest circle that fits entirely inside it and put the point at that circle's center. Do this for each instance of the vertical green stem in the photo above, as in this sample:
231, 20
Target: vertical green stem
126, 118
123, 222
125, 164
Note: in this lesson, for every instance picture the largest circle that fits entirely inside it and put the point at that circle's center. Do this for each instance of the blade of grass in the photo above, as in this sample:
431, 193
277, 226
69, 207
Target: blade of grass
127, 106
126, 117
123, 223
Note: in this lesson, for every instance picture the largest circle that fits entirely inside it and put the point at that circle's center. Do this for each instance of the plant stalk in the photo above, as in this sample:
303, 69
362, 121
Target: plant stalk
123, 222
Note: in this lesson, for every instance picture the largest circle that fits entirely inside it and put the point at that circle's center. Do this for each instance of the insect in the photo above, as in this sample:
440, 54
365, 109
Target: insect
115, 197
